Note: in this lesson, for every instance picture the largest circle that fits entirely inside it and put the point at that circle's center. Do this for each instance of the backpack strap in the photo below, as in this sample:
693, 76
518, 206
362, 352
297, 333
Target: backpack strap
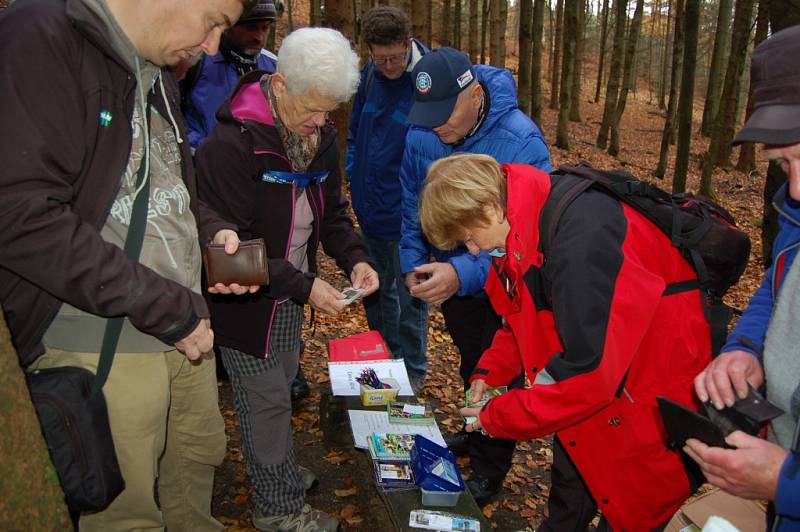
563, 192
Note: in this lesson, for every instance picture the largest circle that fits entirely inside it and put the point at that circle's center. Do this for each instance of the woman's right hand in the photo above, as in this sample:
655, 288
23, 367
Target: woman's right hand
325, 298
476, 390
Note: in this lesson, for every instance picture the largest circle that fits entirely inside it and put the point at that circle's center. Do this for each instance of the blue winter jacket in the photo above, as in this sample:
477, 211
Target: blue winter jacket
212, 87
375, 141
507, 134
749, 335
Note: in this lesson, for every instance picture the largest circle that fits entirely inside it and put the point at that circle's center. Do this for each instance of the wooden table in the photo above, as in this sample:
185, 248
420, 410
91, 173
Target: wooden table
335, 425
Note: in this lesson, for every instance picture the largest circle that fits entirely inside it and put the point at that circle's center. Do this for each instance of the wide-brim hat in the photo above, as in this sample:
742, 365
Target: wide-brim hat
775, 80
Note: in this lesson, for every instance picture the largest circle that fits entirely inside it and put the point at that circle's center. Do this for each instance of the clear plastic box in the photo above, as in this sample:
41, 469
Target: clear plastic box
436, 490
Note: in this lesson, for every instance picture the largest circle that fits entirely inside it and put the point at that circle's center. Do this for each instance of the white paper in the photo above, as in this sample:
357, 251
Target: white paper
414, 410
365, 422
343, 375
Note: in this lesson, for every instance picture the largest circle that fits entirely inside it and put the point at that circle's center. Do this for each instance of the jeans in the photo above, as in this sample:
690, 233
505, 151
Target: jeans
401, 319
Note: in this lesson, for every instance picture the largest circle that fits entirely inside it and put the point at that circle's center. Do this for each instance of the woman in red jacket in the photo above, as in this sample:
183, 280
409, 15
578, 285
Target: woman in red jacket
590, 328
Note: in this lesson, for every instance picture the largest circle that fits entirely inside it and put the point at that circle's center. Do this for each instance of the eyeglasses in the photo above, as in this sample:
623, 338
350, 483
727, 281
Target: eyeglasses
390, 59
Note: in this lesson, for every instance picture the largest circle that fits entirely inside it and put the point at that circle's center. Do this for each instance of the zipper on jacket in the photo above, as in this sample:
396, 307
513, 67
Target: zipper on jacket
285, 257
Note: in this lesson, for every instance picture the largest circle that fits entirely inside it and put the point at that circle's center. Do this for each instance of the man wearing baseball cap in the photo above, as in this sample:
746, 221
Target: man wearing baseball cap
459, 107
763, 347
211, 80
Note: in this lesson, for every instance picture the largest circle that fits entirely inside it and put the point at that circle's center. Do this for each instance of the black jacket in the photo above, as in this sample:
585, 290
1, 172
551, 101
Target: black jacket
61, 167
230, 164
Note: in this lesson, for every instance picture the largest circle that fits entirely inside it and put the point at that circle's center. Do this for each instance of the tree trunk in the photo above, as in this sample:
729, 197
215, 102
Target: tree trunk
675, 79
525, 38
627, 77
501, 61
429, 21
621, 10
571, 8
290, 15
419, 18
715, 74
747, 152
692, 21
719, 149
339, 16
484, 29
555, 72
316, 13
603, 37
457, 25
783, 14
445, 30
474, 53
662, 86
580, 39
653, 25
536, 61
30, 494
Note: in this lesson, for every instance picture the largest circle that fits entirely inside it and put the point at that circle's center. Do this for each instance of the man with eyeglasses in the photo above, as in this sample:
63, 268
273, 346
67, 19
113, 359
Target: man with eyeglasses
375, 143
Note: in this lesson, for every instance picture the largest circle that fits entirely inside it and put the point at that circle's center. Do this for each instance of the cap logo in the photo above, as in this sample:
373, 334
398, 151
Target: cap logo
464, 79
424, 83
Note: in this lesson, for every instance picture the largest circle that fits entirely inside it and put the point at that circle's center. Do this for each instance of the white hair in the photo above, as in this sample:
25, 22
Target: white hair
319, 59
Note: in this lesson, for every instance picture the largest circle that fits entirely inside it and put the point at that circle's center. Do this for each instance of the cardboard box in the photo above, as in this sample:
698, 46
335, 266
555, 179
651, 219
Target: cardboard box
746, 515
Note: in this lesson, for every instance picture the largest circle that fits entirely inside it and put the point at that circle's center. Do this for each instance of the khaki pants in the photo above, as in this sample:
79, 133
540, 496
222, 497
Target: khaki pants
167, 428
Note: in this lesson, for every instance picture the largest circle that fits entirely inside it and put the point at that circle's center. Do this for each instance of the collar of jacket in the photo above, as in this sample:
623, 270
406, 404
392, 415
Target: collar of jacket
526, 193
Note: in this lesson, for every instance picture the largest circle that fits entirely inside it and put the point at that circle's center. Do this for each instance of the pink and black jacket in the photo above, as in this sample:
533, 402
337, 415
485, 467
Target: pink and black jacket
231, 164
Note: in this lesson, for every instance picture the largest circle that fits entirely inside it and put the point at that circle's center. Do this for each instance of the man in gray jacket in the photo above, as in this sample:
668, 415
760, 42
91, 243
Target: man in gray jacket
72, 159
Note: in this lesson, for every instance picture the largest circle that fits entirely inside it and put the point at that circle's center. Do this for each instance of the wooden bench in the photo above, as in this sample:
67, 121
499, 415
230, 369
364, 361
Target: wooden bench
335, 425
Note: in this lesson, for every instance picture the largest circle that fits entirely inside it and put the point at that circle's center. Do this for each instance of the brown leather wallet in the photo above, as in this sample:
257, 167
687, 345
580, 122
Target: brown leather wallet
246, 267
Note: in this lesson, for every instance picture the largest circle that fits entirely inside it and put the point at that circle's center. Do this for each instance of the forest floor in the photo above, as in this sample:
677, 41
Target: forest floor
345, 487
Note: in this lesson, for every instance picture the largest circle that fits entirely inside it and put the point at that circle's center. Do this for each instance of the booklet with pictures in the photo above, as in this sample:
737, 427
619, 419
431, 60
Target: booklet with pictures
390, 475
395, 447
490, 393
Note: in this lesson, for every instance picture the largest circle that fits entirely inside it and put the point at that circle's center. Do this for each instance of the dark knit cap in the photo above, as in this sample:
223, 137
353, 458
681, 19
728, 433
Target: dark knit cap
263, 10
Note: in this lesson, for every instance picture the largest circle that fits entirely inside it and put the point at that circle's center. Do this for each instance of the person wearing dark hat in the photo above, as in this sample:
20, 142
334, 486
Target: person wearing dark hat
459, 107
763, 347
211, 80
375, 142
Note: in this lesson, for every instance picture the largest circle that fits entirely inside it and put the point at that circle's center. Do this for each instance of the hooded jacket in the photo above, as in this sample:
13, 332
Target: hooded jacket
589, 326
64, 152
507, 134
215, 82
751, 332
375, 141
230, 165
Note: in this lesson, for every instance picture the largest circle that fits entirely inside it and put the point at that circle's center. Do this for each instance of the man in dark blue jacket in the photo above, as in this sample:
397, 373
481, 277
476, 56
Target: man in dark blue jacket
375, 143
461, 107
763, 347
208, 83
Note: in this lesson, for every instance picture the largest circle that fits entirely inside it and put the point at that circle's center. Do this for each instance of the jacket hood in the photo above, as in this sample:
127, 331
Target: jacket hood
247, 102
96, 22
499, 83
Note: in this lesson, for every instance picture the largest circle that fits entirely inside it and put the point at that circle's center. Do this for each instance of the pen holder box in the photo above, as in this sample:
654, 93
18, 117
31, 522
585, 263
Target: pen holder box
377, 397
426, 457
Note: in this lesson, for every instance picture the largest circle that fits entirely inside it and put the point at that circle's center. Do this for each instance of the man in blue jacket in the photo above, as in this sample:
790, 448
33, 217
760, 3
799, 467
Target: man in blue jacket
375, 142
461, 107
209, 82
763, 347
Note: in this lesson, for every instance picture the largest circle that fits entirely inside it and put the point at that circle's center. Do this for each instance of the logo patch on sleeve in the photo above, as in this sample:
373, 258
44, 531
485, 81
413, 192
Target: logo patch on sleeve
105, 117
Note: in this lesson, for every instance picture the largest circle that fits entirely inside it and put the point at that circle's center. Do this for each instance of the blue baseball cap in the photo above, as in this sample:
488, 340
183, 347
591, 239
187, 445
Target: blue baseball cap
439, 77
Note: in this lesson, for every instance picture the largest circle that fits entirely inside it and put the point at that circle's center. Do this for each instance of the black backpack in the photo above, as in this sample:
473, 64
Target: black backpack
704, 232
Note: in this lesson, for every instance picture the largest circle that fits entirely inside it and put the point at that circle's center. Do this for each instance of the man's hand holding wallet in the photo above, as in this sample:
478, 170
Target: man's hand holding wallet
234, 267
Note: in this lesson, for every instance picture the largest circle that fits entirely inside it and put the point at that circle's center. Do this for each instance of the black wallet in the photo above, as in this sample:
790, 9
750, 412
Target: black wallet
713, 426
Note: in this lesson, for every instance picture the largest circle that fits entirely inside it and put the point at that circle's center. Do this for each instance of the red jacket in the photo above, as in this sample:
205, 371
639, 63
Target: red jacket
589, 320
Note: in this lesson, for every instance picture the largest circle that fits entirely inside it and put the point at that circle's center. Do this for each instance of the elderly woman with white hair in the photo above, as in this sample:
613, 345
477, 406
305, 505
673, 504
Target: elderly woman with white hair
271, 167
